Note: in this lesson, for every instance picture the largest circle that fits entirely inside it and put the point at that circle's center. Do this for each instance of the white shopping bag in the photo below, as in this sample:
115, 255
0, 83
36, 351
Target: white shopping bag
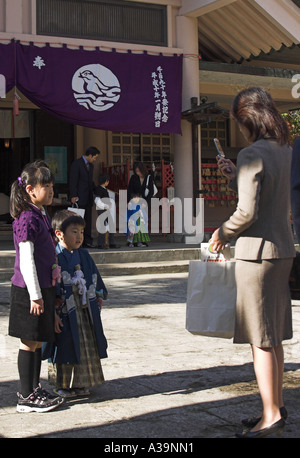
78, 211
211, 297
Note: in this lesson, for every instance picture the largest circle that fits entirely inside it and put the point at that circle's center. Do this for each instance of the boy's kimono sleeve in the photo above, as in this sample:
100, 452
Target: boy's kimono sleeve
101, 290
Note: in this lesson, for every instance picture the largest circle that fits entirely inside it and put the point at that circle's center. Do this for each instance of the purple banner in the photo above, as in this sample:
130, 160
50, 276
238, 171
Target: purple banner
105, 90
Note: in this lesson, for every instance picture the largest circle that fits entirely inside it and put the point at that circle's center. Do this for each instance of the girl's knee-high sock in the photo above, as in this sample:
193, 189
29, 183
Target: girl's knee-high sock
37, 367
26, 368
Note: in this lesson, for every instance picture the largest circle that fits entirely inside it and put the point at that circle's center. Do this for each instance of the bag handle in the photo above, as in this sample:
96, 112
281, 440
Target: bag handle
215, 253
217, 256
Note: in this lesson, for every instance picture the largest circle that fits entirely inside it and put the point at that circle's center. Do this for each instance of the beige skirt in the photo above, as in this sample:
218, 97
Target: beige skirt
263, 309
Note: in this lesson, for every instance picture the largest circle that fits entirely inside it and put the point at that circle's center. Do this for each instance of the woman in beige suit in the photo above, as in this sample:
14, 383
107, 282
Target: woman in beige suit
264, 249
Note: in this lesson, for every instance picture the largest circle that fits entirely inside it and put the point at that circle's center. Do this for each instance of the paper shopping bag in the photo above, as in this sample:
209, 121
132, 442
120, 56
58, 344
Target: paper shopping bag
211, 299
78, 211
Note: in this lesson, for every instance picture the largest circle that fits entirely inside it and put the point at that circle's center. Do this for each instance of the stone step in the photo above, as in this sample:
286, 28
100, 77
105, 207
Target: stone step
124, 261
143, 268
133, 268
7, 258
145, 254
110, 256
6, 274
127, 261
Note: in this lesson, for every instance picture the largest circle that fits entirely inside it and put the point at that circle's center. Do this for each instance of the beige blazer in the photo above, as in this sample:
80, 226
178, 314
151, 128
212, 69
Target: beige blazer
261, 222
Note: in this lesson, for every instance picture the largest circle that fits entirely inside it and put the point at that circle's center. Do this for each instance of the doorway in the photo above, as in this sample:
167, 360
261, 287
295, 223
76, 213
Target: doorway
14, 155
14, 146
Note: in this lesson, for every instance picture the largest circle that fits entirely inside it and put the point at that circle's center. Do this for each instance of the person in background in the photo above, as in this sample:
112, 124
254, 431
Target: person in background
137, 223
264, 249
82, 188
141, 183
103, 203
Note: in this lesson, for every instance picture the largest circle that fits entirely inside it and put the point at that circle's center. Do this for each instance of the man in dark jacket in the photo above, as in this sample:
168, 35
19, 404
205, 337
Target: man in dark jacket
82, 189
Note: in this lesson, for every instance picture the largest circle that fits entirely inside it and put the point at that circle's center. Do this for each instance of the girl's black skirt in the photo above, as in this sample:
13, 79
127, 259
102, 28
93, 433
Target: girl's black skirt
31, 327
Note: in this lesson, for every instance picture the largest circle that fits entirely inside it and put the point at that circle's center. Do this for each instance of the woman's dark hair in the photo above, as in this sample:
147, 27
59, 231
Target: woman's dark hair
33, 174
64, 218
255, 109
142, 168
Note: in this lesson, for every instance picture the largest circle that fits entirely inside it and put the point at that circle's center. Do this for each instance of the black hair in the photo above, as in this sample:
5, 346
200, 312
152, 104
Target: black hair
142, 168
33, 174
64, 218
40, 163
92, 150
103, 177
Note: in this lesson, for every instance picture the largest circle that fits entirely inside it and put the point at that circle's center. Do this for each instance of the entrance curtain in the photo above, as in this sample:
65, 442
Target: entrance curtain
120, 91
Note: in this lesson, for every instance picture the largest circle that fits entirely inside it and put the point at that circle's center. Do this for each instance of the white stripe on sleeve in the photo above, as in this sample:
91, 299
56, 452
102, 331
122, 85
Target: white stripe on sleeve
28, 270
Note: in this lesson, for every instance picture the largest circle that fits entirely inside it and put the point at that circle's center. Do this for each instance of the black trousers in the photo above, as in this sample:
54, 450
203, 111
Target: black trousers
88, 225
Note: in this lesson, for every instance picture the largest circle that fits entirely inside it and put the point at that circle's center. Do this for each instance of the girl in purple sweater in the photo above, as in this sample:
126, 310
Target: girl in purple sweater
33, 292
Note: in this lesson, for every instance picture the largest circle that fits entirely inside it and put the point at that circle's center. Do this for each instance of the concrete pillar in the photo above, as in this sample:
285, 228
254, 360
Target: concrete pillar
13, 16
187, 39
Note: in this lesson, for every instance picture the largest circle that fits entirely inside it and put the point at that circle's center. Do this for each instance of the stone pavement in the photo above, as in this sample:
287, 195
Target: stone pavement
161, 381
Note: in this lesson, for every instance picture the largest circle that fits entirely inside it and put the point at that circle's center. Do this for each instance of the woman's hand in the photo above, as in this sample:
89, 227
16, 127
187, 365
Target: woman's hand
37, 307
226, 164
216, 243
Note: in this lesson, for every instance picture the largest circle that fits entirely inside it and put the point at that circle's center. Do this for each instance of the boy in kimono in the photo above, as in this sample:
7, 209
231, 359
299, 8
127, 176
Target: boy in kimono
80, 341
